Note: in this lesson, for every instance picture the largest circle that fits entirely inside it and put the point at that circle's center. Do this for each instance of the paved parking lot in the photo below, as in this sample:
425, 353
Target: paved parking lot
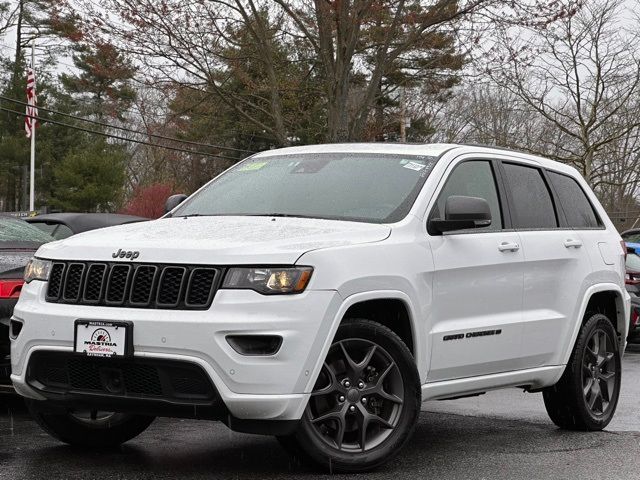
500, 435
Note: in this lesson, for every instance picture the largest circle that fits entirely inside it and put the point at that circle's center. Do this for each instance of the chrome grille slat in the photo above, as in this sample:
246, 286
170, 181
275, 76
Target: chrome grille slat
133, 285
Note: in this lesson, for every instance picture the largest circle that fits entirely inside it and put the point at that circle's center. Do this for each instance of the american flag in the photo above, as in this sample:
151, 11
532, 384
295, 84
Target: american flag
30, 121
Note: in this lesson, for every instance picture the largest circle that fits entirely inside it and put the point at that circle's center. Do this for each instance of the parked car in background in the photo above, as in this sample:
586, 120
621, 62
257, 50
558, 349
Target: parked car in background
18, 243
632, 281
63, 225
632, 239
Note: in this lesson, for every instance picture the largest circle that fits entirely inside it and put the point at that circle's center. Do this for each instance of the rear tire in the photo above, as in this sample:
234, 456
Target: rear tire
587, 394
99, 430
365, 404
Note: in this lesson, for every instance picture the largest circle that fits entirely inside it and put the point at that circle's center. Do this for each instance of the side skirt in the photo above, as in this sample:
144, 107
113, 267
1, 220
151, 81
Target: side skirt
534, 378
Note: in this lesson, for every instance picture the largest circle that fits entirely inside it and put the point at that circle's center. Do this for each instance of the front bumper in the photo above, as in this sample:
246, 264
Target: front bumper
272, 387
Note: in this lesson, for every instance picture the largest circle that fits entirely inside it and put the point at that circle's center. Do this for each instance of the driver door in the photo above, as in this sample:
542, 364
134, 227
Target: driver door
478, 283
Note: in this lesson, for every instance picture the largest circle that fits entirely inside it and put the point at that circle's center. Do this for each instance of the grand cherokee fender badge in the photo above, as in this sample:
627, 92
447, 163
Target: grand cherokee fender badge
460, 336
126, 254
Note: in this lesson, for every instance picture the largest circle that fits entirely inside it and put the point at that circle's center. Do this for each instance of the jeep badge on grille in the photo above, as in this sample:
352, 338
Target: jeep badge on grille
126, 254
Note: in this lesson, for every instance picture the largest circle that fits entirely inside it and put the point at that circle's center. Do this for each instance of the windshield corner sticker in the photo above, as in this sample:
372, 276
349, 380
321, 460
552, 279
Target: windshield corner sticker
252, 166
414, 166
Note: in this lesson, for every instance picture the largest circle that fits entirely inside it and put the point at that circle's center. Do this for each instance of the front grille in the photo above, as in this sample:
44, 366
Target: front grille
133, 285
136, 377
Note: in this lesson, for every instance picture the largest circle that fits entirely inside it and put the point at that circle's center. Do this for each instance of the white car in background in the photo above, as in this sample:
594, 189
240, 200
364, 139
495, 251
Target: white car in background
320, 293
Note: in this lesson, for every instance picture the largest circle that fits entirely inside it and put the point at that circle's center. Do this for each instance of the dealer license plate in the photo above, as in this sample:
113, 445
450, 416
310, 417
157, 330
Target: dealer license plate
103, 339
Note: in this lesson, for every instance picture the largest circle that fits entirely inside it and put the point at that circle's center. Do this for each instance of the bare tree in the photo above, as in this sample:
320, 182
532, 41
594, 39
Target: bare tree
582, 75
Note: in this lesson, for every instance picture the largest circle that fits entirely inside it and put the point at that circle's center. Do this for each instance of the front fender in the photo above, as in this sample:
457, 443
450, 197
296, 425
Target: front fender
418, 330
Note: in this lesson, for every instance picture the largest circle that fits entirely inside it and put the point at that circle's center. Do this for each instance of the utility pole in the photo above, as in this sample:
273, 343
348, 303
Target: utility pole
32, 180
403, 116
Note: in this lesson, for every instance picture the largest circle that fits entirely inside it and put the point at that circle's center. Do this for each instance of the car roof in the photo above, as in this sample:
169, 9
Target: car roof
631, 231
430, 149
83, 222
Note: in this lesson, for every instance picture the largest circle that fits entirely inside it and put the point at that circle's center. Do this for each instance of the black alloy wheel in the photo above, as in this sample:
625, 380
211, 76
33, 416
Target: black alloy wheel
358, 398
599, 372
586, 396
365, 403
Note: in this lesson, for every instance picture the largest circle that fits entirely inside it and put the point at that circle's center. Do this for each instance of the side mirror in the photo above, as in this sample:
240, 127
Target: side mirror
461, 213
173, 201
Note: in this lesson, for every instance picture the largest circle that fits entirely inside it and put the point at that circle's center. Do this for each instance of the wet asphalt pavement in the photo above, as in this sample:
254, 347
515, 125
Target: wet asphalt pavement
500, 435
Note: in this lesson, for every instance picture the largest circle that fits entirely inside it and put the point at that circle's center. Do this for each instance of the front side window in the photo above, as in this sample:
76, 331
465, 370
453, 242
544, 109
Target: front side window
364, 187
575, 204
532, 207
472, 179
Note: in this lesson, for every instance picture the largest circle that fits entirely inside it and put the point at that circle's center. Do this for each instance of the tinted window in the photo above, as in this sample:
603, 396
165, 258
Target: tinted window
472, 179
62, 232
575, 204
532, 204
48, 228
367, 187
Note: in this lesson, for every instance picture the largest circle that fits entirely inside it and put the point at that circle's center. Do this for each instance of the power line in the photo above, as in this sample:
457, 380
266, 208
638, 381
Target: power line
162, 137
117, 137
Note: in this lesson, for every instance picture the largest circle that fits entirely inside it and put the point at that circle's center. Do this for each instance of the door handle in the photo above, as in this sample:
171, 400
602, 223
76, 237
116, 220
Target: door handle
570, 242
509, 247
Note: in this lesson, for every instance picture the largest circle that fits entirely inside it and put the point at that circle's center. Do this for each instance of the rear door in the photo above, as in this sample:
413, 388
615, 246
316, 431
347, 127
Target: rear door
556, 264
477, 290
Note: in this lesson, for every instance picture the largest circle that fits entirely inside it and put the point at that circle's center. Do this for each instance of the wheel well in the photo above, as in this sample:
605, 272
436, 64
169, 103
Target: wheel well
390, 312
610, 304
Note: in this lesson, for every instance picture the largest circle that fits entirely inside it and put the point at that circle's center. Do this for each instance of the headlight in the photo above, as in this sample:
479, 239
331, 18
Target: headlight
269, 280
37, 269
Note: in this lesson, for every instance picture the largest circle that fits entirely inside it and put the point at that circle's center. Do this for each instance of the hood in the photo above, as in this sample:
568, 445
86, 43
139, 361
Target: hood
215, 240
12, 262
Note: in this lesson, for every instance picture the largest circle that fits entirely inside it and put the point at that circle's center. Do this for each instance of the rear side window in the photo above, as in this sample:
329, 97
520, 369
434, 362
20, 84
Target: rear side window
532, 205
575, 204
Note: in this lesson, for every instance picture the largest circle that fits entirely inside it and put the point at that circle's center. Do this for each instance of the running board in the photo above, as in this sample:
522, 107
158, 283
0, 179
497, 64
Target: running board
534, 378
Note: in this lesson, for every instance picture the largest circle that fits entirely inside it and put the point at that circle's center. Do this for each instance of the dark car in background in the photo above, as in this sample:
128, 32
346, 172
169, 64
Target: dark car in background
632, 281
63, 225
18, 243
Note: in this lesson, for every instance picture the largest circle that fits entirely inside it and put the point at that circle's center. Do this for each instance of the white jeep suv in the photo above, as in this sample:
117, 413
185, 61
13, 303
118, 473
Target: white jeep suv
320, 293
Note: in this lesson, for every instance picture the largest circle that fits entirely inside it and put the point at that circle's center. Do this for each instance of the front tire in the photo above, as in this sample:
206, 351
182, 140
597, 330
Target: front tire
587, 394
90, 429
365, 403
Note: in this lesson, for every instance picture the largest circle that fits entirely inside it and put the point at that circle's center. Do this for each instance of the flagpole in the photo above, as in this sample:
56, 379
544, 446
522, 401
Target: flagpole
33, 142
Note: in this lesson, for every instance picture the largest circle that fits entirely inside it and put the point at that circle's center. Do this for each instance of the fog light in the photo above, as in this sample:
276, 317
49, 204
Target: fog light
255, 344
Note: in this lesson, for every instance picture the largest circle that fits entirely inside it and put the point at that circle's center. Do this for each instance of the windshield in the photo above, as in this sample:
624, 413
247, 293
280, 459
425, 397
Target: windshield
13, 231
633, 262
364, 187
632, 237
